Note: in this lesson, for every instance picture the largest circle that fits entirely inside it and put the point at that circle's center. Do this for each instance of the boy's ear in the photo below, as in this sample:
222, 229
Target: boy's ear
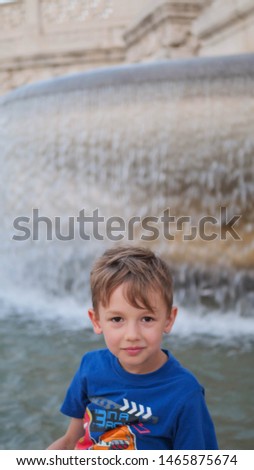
95, 321
171, 320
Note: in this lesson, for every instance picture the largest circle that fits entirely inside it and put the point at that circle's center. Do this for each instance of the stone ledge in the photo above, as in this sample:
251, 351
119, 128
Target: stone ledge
93, 57
221, 15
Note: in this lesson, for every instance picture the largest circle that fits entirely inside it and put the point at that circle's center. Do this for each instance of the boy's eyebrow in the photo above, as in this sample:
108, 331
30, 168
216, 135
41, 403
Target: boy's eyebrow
114, 312
118, 312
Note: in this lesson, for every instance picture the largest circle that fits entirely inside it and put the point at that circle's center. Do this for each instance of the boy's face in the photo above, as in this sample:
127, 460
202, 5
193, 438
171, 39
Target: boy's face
133, 334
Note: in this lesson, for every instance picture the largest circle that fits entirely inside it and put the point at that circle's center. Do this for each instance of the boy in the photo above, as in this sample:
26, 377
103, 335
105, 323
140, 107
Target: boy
134, 395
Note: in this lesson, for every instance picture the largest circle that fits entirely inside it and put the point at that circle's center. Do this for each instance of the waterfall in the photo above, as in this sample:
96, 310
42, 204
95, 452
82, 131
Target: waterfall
132, 141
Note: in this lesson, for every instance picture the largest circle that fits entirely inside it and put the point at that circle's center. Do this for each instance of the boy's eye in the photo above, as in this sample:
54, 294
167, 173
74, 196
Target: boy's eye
148, 319
116, 319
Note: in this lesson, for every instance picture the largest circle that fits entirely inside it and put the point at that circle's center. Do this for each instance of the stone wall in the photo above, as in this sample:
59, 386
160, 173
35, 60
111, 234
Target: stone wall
40, 39
45, 38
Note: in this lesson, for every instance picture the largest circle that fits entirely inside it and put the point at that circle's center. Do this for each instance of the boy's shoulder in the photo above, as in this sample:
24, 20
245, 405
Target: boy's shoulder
184, 376
96, 353
96, 358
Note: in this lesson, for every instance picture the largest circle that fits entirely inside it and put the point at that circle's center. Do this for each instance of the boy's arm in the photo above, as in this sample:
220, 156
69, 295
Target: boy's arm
74, 432
195, 429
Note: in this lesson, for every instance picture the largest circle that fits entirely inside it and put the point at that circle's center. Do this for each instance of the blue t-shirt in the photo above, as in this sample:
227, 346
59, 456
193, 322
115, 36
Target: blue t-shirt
164, 409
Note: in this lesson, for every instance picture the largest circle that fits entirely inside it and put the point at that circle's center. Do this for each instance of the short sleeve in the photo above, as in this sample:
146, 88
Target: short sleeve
76, 400
194, 428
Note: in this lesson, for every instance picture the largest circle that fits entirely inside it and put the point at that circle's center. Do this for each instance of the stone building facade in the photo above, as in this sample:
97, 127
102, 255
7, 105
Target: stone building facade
44, 38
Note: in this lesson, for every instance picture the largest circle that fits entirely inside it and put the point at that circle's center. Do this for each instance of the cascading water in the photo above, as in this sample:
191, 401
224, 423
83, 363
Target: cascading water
132, 141
128, 142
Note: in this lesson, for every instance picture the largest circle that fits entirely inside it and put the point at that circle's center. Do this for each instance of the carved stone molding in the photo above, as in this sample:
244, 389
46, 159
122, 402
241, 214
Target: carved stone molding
12, 18
164, 31
221, 15
226, 27
175, 12
69, 12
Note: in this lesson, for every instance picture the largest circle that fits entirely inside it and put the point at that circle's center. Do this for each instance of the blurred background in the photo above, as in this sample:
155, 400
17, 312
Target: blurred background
48, 38
137, 110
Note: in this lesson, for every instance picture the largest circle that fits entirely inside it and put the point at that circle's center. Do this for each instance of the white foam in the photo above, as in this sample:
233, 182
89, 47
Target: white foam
217, 327
44, 309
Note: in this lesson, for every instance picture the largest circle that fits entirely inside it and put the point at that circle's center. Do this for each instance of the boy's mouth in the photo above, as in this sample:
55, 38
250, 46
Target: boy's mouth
133, 350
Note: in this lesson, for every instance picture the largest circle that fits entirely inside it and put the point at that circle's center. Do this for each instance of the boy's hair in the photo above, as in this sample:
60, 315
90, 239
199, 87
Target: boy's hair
139, 268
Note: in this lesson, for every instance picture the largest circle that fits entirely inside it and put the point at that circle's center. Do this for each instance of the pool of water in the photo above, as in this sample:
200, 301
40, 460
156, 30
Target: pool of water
39, 356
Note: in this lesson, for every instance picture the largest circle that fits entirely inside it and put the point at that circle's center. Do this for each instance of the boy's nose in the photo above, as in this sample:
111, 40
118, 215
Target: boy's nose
132, 333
